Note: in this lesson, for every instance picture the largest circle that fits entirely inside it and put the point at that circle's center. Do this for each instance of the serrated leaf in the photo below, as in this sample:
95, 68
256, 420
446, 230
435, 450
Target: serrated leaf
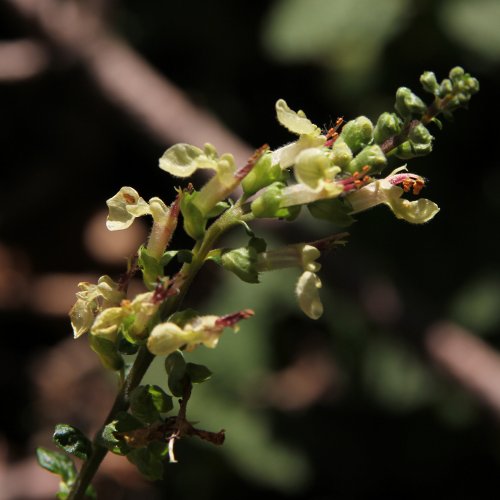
57, 463
197, 373
149, 460
72, 441
124, 422
148, 401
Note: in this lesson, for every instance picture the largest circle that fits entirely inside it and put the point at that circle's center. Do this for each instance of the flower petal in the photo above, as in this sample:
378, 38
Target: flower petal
416, 212
295, 122
124, 207
307, 293
182, 160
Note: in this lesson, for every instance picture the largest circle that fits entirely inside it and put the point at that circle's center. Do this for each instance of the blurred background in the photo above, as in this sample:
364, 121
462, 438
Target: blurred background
395, 391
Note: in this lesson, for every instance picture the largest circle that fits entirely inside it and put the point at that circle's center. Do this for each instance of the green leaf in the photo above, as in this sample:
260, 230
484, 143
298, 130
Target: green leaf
175, 366
124, 422
194, 221
72, 441
197, 373
151, 268
150, 460
334, 210
107, 352
242, 262
124, 345
57, 463
148, 401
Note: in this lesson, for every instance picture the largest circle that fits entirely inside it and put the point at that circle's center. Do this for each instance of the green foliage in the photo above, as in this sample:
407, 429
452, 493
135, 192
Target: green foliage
72, 441
148, 401
150, 460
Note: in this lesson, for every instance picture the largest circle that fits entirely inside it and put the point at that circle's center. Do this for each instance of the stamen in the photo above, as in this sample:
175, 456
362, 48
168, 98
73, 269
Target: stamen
332, 134
356, 180
409, 182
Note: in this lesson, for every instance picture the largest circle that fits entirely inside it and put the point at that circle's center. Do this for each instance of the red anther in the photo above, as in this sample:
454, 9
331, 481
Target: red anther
409, 182
231, 319
418, 186
332, 134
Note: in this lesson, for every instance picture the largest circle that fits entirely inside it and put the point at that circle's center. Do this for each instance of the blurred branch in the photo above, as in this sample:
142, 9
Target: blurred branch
22, 59
126, 78
467, 359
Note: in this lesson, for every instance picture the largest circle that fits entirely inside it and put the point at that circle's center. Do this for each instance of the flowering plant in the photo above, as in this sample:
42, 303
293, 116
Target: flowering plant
334, 174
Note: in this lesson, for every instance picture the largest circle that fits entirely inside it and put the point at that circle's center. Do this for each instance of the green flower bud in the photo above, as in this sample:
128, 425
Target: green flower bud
456, 74
388, 125
420, 135
341, 153
407, 103
372, 156
429, 82
409, 150
268, 203
357, 133
263, 173
445, 88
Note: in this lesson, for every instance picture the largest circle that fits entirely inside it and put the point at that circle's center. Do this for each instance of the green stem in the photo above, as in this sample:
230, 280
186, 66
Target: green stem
89, 468
144, 358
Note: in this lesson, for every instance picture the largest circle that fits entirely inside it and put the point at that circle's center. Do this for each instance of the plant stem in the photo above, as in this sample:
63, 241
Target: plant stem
89, 468
144, 358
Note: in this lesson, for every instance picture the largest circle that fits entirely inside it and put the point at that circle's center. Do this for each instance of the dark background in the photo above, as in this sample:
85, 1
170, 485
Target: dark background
356, 405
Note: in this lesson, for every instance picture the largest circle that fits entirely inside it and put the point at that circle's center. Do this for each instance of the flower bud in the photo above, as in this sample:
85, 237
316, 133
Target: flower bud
429, 82
456, 74
269, 202
388, 125
263, 173
407, 103
357, 133
341, 153
372, 156
445, 88
420, 135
